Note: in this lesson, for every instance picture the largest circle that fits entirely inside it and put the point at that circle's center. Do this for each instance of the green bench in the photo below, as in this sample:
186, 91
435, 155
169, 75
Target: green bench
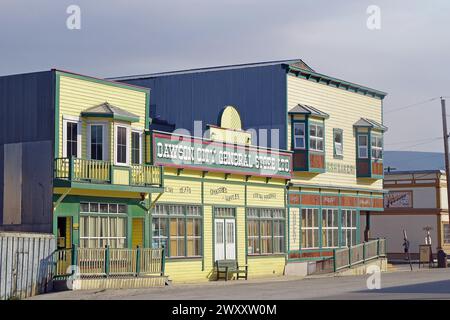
229, 267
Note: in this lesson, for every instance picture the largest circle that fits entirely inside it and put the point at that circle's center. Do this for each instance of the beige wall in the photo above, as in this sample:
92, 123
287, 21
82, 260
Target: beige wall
391, 227
345, 108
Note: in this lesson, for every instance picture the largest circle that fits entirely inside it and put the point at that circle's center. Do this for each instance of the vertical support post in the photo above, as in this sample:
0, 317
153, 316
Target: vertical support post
364, 252
107, 259
445, 134
378, 247
163, 260
74, 256
334, 260
349, 256
71, 162
138, 261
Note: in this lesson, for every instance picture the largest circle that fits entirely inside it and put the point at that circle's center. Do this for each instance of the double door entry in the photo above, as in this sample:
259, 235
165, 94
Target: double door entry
225, 234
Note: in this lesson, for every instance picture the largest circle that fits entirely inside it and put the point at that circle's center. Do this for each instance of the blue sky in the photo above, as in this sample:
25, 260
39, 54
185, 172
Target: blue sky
408, 57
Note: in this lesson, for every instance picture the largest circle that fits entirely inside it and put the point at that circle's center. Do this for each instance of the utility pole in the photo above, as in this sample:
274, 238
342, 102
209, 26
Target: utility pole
445, 132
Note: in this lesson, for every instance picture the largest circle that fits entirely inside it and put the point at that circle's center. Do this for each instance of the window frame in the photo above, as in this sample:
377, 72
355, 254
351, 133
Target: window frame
258, 218
166, 216
446, 240
317, 138
105, 148
345, 228
376, 138
335, 153
77, 121
98, 215
360, 147
330, 228
127, 146
140, 133
312, 227
294, 136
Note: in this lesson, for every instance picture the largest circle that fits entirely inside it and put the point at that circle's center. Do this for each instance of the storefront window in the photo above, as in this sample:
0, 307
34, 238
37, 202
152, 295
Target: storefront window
265, 231
446, 233
179, 229
310, 228
102, 224
330, 227
348, 223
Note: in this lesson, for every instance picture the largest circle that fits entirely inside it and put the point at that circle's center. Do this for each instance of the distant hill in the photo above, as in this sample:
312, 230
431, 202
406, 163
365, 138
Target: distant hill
414, 160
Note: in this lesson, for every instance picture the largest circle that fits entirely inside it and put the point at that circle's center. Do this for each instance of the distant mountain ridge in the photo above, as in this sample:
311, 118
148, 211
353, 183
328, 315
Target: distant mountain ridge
413, 160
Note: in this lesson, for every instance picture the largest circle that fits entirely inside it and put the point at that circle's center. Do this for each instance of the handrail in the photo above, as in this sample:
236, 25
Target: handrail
108, 262
358, 254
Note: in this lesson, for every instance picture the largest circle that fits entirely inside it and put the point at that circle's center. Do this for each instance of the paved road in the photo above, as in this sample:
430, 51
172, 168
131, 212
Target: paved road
424, 284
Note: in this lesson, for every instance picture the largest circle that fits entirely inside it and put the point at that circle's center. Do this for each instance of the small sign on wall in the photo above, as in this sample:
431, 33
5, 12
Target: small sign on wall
398, 199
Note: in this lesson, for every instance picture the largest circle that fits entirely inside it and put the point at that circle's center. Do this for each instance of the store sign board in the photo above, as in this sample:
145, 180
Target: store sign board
398, 199
188, 152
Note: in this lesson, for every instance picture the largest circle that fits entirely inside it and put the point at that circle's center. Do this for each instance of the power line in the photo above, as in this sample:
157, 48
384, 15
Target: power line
412, 105
406, 141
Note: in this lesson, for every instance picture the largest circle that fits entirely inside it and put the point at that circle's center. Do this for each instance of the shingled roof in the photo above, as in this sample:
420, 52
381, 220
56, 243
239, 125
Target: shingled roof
107, 110
369, 123
308, 110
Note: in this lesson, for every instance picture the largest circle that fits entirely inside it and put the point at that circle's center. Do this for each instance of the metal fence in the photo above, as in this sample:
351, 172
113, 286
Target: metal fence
360, 253
108, 262
25, 264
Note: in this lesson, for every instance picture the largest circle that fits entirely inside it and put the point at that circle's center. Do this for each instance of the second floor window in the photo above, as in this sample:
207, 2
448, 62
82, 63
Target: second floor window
122, 145
135, 147
299, 135
97, 142
316, 137
71, 139
362, 146
338, 145
377, 147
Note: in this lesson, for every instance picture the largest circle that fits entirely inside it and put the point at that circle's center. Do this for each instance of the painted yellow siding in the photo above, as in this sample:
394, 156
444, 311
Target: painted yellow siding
181, 191
224, 193
76, 95
262, 196
265, 266
240, 235
345, 108
121, 176
186, 271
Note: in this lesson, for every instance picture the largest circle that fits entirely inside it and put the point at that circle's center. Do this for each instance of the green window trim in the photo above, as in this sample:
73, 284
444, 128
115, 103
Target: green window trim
162, 212
277, 219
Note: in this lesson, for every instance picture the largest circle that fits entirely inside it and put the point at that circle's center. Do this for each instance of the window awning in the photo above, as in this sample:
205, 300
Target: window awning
369, 123
308, 110
106, 110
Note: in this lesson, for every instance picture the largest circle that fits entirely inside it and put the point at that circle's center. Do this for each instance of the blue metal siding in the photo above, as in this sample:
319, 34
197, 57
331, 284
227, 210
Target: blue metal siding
27, 116
259, 94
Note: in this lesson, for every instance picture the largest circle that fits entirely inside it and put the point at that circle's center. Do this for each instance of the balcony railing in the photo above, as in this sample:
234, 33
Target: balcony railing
98, 171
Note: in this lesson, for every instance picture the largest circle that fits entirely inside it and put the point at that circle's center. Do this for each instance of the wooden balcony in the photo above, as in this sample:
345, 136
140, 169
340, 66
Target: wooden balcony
104, 173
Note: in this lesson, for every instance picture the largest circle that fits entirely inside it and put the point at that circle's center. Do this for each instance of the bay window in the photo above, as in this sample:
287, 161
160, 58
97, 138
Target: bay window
299, 135
363, 146
377, 147
97, 141
316, 135
265, 231
121, 144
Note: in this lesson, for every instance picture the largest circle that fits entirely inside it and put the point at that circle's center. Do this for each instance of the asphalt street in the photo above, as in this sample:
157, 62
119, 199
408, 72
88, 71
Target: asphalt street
423, 284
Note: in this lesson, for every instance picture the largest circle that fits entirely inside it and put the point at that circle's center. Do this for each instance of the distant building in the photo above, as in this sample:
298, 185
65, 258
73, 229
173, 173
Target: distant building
417, 201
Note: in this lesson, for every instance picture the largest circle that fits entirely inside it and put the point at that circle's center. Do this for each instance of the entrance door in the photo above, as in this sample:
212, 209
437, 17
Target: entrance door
225, 237
137, 236
64, 232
